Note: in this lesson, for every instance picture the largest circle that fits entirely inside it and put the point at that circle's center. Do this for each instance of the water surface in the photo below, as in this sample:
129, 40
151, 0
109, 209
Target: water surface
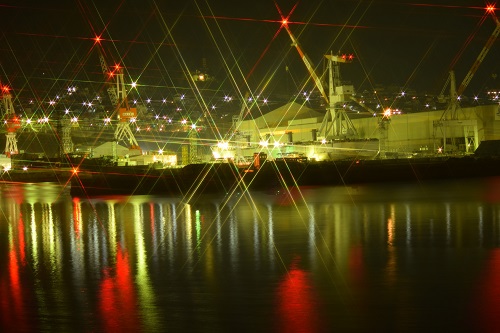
400, 258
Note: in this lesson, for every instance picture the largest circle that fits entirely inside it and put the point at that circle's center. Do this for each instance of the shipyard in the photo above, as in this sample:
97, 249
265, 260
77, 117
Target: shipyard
331, 122
273, 166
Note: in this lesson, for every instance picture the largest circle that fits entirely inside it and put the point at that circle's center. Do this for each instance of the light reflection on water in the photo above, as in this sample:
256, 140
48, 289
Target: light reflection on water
366, 258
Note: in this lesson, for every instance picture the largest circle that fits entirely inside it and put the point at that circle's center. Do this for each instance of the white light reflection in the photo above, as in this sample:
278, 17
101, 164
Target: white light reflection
256, 243
312, 233
233, 239
172, 237
188, 220
270, 230
145, 290
408, 225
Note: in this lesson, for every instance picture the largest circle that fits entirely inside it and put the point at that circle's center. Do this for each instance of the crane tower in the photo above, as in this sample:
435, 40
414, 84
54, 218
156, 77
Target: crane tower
11, 121
118, 96
450, 119
336, 123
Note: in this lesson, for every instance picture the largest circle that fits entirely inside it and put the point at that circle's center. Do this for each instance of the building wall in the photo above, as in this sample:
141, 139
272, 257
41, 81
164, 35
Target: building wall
405, 133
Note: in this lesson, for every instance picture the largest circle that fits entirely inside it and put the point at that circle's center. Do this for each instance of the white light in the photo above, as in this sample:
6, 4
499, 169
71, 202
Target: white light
223, 145
134, 84
263, 143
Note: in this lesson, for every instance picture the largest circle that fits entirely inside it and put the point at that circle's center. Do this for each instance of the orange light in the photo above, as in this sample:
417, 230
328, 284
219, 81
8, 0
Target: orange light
97, 39
490, 8
284, 22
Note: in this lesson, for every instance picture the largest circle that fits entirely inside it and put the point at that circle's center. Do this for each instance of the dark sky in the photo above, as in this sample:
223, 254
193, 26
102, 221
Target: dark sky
47, 46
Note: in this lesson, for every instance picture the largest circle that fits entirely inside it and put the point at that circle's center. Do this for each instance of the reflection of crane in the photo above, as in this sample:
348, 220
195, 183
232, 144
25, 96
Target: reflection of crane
118, 97
336, 123
11, 122
450, 117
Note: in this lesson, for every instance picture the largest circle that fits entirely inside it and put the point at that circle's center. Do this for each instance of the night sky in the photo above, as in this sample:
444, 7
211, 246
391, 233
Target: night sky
47, 46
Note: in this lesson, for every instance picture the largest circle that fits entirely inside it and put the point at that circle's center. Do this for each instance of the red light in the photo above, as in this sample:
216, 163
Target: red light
97, 39
284, 22
5, 89
490, 8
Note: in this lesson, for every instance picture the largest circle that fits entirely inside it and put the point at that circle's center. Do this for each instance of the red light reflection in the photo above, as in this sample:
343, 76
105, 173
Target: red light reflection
12, 307
298, 309
118, 301
487, 306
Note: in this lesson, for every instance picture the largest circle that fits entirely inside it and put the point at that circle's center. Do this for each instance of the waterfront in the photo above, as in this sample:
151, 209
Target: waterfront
351, 259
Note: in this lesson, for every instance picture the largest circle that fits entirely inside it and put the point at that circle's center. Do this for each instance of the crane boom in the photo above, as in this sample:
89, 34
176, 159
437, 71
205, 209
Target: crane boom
307, 62
105, 69
336, 123
480, 58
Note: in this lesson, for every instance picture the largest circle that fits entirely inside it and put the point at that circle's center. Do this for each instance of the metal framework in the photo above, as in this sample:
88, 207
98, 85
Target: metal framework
11, 122
118, 96
450, 123
336, 124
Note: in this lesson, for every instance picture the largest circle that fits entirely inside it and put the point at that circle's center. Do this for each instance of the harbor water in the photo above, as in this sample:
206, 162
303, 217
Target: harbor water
378, 258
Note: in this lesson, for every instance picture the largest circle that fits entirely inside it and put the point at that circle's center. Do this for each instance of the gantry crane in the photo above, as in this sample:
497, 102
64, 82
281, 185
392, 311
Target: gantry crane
450, 118
11, 121
118, 96
336, 123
